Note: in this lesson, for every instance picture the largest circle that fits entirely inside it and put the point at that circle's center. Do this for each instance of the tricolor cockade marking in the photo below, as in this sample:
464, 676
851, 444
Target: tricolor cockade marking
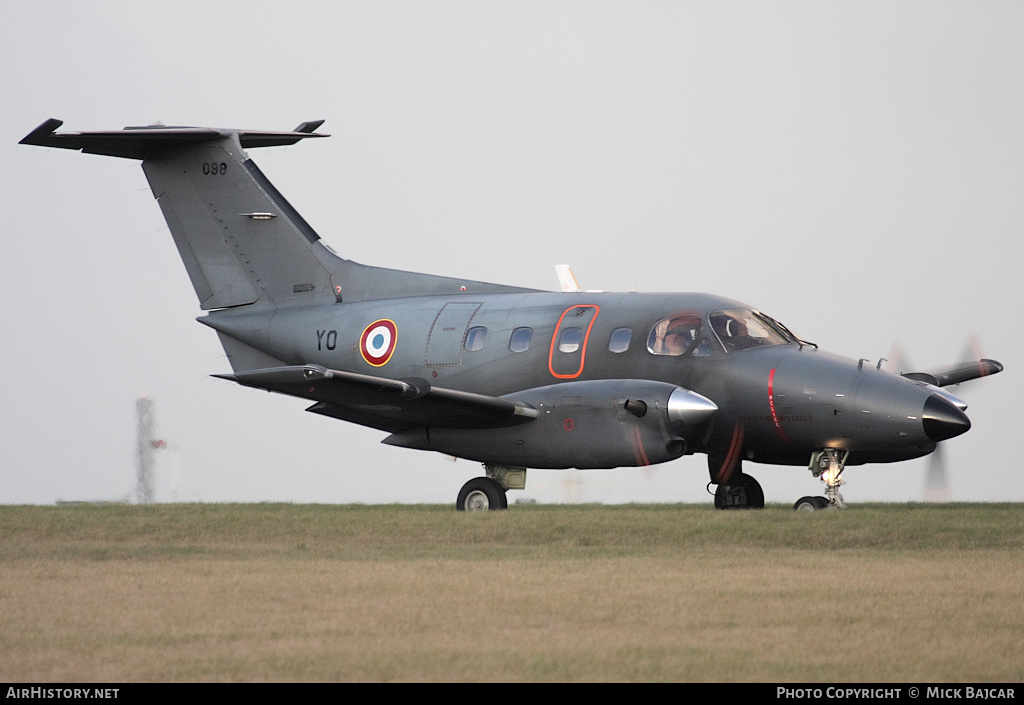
377, 343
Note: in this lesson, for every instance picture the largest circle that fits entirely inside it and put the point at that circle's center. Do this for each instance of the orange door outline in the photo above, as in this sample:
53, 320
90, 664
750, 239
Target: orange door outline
586, 337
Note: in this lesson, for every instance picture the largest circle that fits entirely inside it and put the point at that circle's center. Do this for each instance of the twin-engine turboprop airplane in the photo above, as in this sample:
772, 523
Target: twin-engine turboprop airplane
510, 377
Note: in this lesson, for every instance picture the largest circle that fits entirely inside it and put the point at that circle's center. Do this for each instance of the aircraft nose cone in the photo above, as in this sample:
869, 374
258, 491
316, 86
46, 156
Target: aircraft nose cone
942, 419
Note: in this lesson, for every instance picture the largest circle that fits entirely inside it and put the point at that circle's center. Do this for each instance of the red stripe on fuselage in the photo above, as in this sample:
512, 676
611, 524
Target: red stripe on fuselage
771, 407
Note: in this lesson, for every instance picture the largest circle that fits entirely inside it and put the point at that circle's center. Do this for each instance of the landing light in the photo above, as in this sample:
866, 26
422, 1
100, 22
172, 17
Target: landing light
259, 216
831, 475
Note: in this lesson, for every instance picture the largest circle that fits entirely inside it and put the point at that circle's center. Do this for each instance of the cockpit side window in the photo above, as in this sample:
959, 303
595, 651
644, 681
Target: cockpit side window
743, 329
679, 335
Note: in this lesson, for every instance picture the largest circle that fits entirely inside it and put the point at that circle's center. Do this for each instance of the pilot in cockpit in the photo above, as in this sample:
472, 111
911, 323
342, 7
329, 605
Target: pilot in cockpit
677, 336
732, 332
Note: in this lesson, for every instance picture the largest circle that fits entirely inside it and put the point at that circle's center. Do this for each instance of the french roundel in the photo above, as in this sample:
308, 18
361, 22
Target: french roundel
378, 342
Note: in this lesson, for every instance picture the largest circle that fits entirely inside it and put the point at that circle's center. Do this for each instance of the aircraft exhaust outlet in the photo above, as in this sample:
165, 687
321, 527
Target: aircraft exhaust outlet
636, 407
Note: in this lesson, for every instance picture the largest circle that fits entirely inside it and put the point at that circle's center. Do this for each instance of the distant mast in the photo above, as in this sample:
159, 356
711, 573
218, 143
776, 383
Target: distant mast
146, 445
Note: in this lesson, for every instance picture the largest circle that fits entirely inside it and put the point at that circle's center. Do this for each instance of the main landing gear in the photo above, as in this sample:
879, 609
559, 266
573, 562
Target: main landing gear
828, 465
488, 493
743, 492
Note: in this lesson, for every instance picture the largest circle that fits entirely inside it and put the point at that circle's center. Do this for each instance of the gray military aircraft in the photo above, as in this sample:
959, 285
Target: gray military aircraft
514, 378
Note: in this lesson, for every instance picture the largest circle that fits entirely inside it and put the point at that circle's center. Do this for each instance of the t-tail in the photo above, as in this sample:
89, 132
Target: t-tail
242, 243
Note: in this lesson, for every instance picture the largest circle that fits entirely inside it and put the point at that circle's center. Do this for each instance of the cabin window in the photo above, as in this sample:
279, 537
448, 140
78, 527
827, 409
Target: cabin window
619, 342
520, 340
679, 335
475, 338
570, 340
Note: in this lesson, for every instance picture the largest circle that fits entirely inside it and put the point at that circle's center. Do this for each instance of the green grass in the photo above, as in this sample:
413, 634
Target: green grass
878, 592
410, 531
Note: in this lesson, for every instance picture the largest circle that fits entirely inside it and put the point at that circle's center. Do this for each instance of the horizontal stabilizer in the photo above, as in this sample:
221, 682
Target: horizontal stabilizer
956, 374
392, 404
146, 142
308, 126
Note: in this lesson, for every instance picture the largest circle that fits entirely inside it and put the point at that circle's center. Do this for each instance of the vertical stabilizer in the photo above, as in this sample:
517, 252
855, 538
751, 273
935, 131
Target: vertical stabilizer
240, 240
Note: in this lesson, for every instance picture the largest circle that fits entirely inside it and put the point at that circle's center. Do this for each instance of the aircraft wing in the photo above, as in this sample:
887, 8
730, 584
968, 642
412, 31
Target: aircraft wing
955, 374
387, 404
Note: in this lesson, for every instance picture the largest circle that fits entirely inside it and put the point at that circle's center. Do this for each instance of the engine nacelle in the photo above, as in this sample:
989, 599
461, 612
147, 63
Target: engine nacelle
583, 424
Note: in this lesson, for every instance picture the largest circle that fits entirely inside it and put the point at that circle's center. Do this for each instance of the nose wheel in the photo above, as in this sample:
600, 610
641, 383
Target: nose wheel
810, 504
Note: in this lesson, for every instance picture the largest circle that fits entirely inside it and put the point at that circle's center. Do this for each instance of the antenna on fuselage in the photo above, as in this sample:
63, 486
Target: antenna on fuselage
566, 278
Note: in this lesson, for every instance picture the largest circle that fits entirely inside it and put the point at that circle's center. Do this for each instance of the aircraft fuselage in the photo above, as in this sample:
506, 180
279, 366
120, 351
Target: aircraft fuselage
790, 399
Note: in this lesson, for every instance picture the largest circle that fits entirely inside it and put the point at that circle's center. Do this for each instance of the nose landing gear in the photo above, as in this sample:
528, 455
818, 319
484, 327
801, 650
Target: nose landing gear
828, 465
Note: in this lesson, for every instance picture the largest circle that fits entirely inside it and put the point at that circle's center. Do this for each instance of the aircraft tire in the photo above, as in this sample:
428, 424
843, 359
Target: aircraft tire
755, 495
481, 494
752, 496
810, 504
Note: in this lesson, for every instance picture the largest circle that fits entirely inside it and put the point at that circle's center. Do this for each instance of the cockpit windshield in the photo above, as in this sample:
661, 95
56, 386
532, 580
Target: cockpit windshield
744, 329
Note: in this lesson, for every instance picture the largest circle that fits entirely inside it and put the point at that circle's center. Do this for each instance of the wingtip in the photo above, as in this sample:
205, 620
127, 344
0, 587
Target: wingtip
308, 127
991, 367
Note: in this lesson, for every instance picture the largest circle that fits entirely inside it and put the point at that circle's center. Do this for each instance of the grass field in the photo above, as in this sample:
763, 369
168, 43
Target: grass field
278, 592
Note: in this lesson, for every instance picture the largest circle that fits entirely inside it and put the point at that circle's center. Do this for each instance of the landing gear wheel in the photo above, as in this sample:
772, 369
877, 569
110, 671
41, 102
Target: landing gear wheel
481, 494
810, 504
755, 495
804, 504
743, 493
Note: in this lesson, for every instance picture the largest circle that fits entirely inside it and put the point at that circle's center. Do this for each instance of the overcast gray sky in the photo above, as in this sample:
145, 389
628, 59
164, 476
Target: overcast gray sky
855, 170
